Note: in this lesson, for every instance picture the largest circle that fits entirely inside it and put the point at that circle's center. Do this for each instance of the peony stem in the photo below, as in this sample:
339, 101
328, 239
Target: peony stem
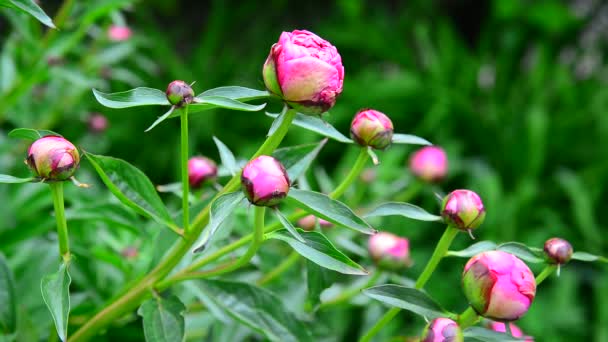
348, 294
62, 227
184, 168
545, 273
380, 324
355, 171
467, 318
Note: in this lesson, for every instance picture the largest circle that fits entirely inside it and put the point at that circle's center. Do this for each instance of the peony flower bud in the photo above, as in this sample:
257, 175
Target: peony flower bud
429, 163
179, 93
463, 209
265, 181
304, 70
309, 222
498, 285
442, 330
53, 158
515, 331
558, 250
119, 33
200, 169
372, 128
97, 123
389, 250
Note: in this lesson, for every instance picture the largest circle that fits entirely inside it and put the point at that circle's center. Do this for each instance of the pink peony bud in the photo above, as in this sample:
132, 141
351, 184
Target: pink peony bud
558, 250
201, 169
97, 123
119, 33
179, 93
498, 285
515, 331
265, 181
304, 70
463, 209
53, 158
372, 128
308, 223
429, 163
442, 330
389, 250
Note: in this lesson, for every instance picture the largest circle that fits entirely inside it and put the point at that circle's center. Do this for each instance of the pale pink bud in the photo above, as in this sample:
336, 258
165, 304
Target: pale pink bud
515, 331
389, 250
304, 70
442, 330
463, 209
498, 285
264, 181
200, 169
372, 128
429, 163
558, 250
118, 33
309, 222
53, 158
97, 123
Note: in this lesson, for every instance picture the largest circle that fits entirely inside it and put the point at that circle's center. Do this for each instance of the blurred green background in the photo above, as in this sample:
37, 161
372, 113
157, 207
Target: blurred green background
515, 91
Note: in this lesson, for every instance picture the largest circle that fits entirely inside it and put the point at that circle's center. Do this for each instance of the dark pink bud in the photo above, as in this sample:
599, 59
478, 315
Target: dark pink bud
372, 128
442, 330
118, 33
558, 250
389, 250
463, 209
97, 123
429, 163
179, 93
515, 331
53, 158
201, 169
264, 181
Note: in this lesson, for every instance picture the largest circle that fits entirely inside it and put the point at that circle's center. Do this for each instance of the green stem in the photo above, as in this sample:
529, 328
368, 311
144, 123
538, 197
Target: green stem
545, 273
62, 227
355, 171
381, 323
134, 296
280, 269
184, 166
348, 294
467, 318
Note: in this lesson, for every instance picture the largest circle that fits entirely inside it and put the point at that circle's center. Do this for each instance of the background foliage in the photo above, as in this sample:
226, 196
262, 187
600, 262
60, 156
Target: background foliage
515, 91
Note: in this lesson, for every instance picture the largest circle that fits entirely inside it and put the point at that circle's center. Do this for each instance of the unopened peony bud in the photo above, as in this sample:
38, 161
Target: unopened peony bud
372, 128
53, 158
498, 285
97, 123
265, 181
201, 169
558, 250
463, 209
429, 163
389, 250
309, 222
179, 93
442, 330
515, 331
305, 71
119, 33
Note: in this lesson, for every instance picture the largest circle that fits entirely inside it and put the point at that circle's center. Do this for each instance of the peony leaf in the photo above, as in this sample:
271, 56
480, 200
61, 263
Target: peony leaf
141, 96
409, 139
163, 319
407, 298
403, 209
56, 294
317, 125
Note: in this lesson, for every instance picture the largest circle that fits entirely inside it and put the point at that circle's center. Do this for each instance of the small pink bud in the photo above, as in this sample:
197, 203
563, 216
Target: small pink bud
309, 222
119, 33
53, 158
500, 327
389, 250
372, 128
368, 175
130, 252
442, 330
429, 163
304, 70
498, 285
201, 169
179, 93
264, 181
463, 209
97, 123
558, 250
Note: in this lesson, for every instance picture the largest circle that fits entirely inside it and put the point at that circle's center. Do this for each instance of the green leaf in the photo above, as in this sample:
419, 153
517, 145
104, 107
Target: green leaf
132, 187
329, 209
315, 124
584, 256
277, 122
521, 251
235, 93
297, 159
317, 280
227, 157
8, 298
30, 7
257, 308
30, 134
480, 334
474, 249
221, 208
141, 96
402, 209
407, 298
56, 294
210, 102
290, 228
409, 139
163, 319
319, 250
8, 179
161, 119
